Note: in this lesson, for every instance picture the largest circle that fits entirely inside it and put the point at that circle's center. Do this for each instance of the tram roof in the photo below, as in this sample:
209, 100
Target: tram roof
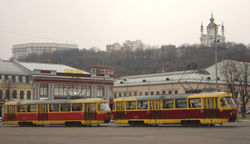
156, 97
54, 101
174, 96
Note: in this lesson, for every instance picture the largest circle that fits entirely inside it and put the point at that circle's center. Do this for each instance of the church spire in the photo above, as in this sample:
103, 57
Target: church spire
222, 29
212, 18
201, 28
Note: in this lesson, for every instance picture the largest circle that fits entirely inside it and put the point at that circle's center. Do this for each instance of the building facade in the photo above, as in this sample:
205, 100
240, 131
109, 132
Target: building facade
212, 35
15, 83
24, 50
179, 82
35, 81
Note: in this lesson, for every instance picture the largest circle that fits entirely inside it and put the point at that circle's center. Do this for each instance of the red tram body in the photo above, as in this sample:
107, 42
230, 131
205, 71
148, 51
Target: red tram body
67, 112
185, 109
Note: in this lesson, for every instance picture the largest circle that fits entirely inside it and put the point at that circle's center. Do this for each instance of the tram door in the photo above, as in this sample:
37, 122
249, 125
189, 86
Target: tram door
42, 113
11, 112
120, 110
210, 108
154, 109
90, 111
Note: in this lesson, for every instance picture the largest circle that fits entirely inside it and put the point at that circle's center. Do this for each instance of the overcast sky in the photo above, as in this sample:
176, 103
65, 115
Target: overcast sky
96, 23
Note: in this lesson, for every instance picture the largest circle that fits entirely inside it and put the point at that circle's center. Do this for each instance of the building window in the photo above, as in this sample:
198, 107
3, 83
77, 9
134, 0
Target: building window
176, 92
6, 77
152, 93
7, 94
146, 93
115, 95
20, 79
140, 93
27, 79
100, 91
120, 94
130, 93
1, 94
14, 94
28, 95
43, 90
125, 94
157, 92
163, 92
169, 92
135, 93
21, 94
13, 78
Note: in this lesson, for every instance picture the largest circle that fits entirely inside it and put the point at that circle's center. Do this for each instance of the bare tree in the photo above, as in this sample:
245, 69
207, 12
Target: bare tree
230, 72
244, 74
236, 75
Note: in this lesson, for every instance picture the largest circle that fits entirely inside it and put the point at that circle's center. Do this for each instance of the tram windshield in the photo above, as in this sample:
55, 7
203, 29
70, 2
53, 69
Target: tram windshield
227, 102
104, 107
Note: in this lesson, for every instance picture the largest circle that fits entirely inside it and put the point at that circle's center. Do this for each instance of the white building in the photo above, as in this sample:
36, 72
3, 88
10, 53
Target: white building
24, 50
113, 47
133, 45
212, 33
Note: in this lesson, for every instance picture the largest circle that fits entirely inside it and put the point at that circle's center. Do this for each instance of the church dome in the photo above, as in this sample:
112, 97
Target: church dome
211, 24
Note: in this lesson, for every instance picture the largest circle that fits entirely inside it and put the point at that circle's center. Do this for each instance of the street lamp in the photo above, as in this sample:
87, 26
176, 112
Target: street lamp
215, 57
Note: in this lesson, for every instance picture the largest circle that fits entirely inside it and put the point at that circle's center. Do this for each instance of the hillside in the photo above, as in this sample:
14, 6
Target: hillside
166, 58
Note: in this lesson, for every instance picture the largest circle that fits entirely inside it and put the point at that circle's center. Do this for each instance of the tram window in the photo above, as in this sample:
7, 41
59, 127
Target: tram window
194, 103
216, 103
76, 107
181, 103
227, 102
167, 104
93, 107
142, 105
65, 107
21, 108
104, 107
119, 106
130, 105
54, 107
31, 108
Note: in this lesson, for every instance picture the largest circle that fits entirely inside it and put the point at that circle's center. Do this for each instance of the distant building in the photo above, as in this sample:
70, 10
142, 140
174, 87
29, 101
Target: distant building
24, 50
132, 45
113, 47
127, 45
212, 34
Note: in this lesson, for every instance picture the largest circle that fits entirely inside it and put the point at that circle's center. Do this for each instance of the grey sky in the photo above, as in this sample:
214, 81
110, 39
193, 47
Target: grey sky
91, 23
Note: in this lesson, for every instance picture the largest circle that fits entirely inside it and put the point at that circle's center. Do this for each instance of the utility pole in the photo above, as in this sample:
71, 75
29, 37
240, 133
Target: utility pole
215, 57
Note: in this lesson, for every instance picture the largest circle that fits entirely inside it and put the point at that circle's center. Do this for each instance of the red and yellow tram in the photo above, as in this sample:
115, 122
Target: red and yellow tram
66, 112
185, 109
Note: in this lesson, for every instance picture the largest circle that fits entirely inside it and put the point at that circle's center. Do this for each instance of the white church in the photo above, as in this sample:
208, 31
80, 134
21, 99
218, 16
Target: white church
212, 35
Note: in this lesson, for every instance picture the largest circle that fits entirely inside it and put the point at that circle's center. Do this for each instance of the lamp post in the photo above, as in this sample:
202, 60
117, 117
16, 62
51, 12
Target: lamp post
215, 57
